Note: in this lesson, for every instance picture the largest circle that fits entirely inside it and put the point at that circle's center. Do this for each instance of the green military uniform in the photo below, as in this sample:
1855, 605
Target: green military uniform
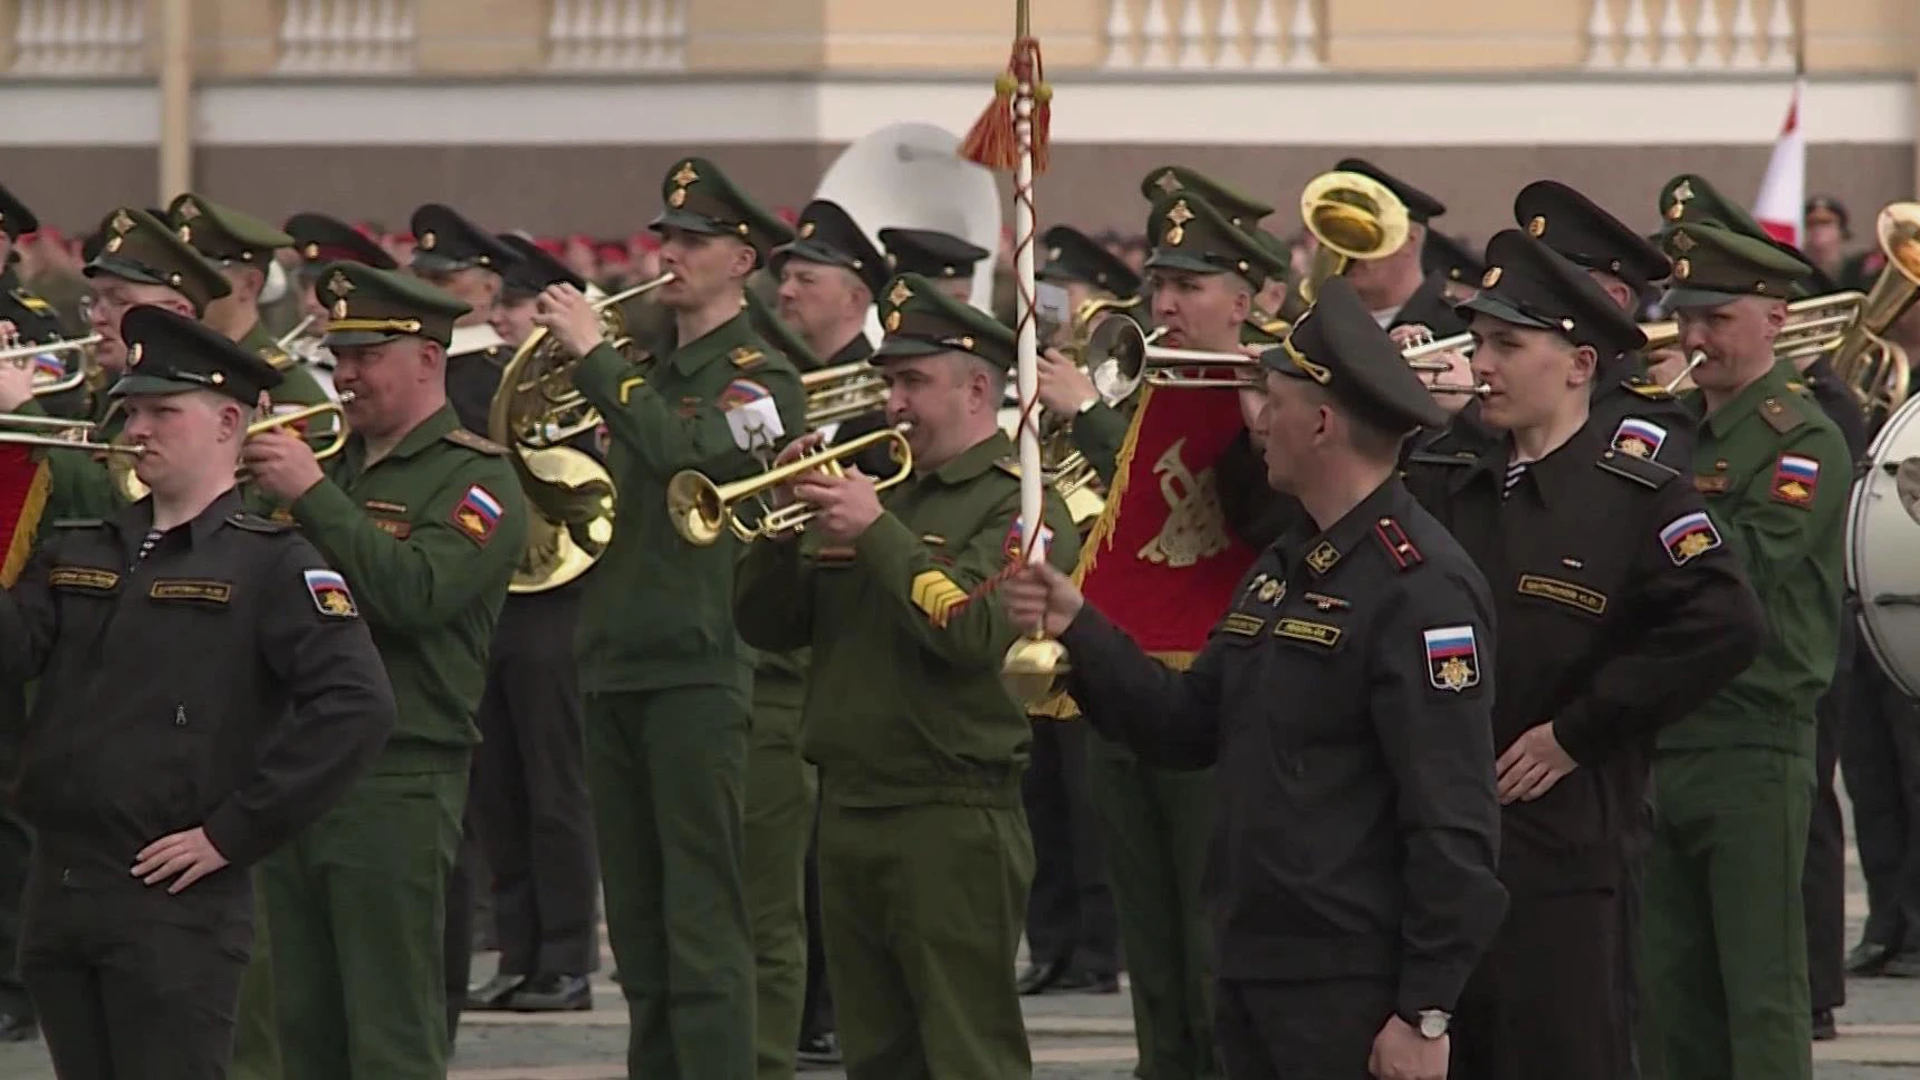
428, 536
780, 785
1724, 952
666, 681
229, 238
925, 858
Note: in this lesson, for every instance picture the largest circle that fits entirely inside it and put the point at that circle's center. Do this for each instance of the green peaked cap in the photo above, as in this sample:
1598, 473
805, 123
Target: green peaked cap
224, 234
701, 199
366, 306
920, 320
136, 246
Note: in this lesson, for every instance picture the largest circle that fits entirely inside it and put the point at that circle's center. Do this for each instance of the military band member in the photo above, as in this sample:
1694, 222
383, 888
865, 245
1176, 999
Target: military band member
467, 263
320, 240
921, 829
666, 682
1089, 272
426, 521
1620, 609
140, 260
529, 806
829, 275
1353, 879
1725, 951
1455, 262
32, 318
942, 258
1395, 287
140, 907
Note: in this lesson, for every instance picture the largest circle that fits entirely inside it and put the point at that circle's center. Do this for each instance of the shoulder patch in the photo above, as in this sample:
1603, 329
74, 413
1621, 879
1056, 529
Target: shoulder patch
1649, 390
1641, 470
1010, 466
1399, 548
937, 597
478, 514
330, 594
1453, 657
1795, 479
32, 303
258, 524
278, 358
462, 437
741, 392
1782, 414
745, 357
1689, 536
1639, 437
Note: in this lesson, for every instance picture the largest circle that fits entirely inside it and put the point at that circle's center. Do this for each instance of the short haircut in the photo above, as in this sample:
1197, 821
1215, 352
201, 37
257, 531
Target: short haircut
996, 376
1368, 435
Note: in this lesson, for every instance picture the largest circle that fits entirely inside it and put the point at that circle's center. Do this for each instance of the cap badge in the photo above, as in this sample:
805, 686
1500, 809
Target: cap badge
806, 229
1683, 241
340, 308
135, 354
1567, 325
122, 222
893, 321
1490, 278
427, 240
114, 242
189, 210
1538, 226
1682, 269
312, 251
1177, 217
1680, 195
1053, 254
1168, 182
899, 294
186, 234
339, 284
683, 178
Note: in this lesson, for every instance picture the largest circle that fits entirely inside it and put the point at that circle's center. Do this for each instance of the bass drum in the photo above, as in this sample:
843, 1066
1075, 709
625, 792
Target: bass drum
1883, 548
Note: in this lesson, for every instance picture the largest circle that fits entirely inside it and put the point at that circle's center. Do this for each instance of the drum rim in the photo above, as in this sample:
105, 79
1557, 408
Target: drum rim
1859, 501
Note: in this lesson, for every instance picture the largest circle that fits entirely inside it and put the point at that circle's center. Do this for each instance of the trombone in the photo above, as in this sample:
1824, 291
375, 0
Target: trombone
537, 404
703, 511
840, 393
1417, 355
18, 354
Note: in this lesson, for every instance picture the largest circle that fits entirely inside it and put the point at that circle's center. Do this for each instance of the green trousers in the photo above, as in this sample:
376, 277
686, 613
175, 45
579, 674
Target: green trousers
666, 769
358, 906
1157, 825
778, 823
256, 1038
921, 911
1723, 949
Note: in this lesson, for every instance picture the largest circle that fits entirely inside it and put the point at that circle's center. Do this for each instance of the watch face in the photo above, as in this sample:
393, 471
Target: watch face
1433, 1024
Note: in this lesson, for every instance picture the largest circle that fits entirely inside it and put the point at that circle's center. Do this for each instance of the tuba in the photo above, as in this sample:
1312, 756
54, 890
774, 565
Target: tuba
1351, 216
1874, 367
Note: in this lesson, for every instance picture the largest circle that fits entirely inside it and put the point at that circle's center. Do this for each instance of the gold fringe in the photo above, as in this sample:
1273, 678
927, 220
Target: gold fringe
1102, 533
1065, 708
20, 546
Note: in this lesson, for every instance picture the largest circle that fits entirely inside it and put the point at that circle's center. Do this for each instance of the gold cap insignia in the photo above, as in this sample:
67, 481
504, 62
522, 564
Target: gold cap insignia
1538, 226
1491, 278
189, 210
900, 294
1683, 192
427, 240
806, 229
122, 222
1683, 241
340, 308
1167, 182
1682, 269
339, 284
1760, 287
1053, 253
312, 250
892, 260
136, 354
1177, 217
893, 321
677, 198
114, 242
1567, 325
685, 176
186, 234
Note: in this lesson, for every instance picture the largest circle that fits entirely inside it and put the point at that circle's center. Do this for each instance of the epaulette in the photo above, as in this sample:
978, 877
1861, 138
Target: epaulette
462, 437
279, 359
1644, 471
1010, 466
1458, 459
256, 523
1399, 547
1782, 414
746, 358
1652, 391
32, 303
79, 523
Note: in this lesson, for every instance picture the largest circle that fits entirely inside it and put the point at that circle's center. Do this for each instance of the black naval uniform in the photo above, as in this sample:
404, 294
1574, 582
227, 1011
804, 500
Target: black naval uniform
1352, 870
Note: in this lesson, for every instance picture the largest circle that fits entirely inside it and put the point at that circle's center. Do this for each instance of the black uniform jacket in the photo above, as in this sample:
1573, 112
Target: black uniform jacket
1346, 700
224, 681
1620, 610
1640, 419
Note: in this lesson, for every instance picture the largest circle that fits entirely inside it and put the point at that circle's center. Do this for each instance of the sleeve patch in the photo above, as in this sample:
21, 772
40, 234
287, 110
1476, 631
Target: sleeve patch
1453, 658
48, 366
627, 386
478, 514
935, 594
331, 597
1011, 549
1795, 478
1638, 437
741, 392
1689, 536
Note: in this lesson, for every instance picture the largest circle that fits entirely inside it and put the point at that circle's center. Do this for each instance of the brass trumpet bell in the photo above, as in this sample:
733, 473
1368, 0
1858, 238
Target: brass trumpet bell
572, 496
537, 406
703, 511
1124, 357
1874, 367
1352, 216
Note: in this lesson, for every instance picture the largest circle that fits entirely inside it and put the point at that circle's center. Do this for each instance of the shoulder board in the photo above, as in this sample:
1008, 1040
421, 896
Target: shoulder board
276, 356
1399, 547
462, 437
1643, 471
1782, 414
1428, 457
79, 523
1650, 391
1009, 466
746, 357
32, 303
255, 523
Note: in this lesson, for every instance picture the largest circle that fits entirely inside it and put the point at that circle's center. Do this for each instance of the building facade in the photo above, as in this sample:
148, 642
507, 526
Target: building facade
561, 115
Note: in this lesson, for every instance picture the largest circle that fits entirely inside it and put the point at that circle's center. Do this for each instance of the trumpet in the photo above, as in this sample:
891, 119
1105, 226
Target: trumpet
18, 430
1122, 355
537, 404
703, 511
1416, 355
12, 352
841, 393
132, 489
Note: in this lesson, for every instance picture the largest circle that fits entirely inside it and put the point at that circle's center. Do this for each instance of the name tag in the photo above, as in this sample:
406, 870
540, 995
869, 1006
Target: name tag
381, 506
399, 530
1563, 592
1242, 624
1712, 485
86, 578
212, 592
1315, 633
834, 555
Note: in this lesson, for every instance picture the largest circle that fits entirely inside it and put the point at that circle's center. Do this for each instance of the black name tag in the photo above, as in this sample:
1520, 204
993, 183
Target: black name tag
1312, 632
87, 578
1243, 624
210, 592
1563, 592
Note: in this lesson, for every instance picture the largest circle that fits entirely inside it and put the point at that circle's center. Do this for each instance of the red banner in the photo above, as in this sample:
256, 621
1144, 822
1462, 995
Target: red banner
1161, 562
23, 495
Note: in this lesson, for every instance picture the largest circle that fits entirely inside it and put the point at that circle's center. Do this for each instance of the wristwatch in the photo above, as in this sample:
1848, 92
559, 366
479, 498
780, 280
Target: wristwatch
1433, 1023
1087, 405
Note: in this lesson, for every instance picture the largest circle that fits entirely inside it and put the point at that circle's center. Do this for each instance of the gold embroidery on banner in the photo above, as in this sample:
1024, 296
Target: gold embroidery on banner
1196, 525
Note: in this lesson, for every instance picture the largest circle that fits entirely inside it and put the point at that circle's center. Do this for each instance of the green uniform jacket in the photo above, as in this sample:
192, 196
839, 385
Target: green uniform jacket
427, 537
660, 615
904, 703
297, 385
1775, 472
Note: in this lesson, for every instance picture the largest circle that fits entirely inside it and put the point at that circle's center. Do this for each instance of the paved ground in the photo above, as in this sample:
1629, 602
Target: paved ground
1075, 1037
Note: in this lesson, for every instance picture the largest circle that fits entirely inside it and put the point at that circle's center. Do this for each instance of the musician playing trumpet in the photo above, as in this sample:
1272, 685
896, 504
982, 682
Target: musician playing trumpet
920, 749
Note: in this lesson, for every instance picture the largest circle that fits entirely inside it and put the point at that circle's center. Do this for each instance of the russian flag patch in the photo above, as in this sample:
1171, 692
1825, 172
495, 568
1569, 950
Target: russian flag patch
1689, 536
331, 597
477, 514
1640, 438
1795, 478
1453, 658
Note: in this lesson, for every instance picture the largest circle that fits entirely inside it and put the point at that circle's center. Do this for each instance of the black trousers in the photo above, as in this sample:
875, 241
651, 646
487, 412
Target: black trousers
1547, 999
1322, 1030
1823, 878
1880, 758
16, 853
529, 802
130, 988
1070, 913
